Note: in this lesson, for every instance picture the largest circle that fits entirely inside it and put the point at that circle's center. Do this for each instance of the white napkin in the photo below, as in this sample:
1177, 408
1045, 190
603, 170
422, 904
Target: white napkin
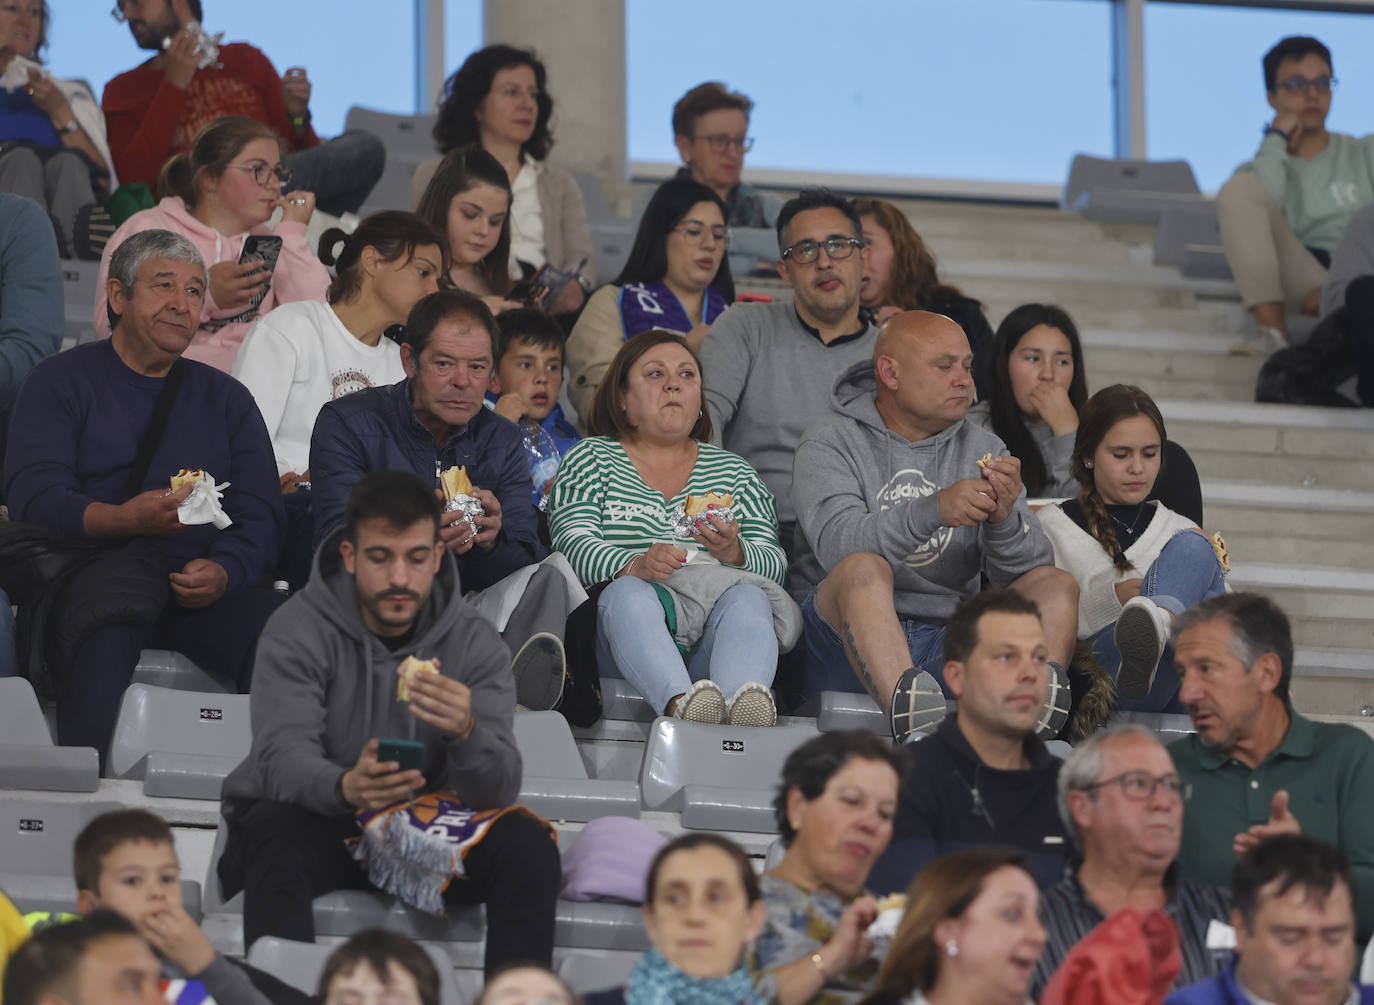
202, 505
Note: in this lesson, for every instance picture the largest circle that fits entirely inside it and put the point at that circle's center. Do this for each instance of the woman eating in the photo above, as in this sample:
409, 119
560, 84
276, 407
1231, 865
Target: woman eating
1137, 562
220, 194
618, 514
677, 278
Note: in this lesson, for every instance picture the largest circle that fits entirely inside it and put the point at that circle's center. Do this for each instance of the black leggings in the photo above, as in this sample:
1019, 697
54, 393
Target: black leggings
289, 856
1359, 308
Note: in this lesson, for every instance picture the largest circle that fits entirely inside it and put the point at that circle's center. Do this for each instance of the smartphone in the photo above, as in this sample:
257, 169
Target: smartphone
409, 754
264, 248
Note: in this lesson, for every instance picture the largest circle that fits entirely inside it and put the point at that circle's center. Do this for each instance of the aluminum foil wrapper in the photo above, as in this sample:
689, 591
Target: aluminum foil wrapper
207, 45
883, 929
469, 506
682, 525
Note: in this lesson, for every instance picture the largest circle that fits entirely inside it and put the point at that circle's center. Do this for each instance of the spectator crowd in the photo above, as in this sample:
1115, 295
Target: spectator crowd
347, 479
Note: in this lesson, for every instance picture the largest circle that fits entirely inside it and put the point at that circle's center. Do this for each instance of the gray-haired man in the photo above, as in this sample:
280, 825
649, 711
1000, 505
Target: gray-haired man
97, 433
1122, 803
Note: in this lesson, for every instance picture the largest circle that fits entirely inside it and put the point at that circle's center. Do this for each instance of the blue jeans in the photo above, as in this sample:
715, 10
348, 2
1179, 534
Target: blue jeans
737, 646
1186, 573
341, 171
827, 666
9, 659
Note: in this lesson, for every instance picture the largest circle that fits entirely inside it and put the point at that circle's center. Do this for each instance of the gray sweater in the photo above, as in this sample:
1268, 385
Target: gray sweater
1353, 258
1054, 450
323, 685
767, 379
860, 487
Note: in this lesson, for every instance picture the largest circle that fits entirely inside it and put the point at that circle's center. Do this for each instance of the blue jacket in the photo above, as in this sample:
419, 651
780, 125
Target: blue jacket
377, 430
1223, 990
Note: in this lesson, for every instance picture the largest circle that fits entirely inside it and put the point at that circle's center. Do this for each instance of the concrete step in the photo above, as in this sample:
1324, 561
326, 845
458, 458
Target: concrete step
1216, 461
1337, 633
1202, 317
1333, 696
1165, 362
1274, 545
1268, 527
1174, 385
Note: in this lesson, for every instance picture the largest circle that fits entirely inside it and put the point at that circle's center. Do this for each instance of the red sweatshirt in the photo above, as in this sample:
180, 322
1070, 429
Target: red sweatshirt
150, 120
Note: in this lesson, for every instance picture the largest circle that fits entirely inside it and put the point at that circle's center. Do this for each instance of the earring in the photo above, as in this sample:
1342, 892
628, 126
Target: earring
951, 948
796, 824
1087, 464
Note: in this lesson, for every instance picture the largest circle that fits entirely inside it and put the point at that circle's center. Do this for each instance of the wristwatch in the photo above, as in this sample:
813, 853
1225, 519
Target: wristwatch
583, 282
1268, 128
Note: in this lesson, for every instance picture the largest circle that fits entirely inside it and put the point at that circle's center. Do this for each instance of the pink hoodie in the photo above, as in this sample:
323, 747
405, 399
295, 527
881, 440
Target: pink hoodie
299, 275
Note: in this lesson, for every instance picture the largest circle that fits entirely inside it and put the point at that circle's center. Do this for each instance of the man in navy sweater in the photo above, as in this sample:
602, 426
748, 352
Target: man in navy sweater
983, 778
436, 419
73, 443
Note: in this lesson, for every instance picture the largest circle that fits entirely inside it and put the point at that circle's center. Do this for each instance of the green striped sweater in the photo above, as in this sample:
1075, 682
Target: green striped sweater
602, 514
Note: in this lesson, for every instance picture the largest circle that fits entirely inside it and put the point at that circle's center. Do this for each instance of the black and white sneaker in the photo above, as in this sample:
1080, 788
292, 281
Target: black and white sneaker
918, 706
1141, 633
540, 669
1058, 700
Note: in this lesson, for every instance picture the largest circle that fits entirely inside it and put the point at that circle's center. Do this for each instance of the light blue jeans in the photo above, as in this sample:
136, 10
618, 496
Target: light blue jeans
9, 660
1186, 573
632, 641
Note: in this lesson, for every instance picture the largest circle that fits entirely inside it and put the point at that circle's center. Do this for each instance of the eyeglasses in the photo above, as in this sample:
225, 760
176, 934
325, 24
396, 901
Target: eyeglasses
696, 231
261, 172
838, 248
118, 12
1301, 85
1139, 786
721, 142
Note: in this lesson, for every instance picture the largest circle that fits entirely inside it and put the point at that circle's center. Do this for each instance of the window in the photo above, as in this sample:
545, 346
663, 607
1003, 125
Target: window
373, 66
985, 89
1204, 86
462, 34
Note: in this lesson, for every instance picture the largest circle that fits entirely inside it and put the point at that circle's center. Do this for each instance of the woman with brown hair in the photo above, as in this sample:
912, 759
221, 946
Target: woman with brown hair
900, 275
220, 194
1137, 563
619, 512
971, 934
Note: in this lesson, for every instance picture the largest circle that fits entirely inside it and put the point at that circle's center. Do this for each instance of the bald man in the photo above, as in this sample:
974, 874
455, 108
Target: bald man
902, 522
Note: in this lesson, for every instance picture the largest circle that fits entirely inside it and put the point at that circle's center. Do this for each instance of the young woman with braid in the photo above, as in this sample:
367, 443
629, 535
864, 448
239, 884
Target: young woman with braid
1138, 563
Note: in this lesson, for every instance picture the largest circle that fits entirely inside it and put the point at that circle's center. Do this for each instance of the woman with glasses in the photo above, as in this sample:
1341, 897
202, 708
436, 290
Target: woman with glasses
53, 132
1137, 563
676, 279
499, 98
220, 194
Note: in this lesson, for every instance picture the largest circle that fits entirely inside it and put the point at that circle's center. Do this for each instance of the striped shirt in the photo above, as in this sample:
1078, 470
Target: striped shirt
1068, 915
602, 514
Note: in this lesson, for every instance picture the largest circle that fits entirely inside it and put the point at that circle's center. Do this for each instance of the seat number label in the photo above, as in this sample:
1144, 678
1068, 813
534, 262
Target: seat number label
215, 714
30, 825
732, 746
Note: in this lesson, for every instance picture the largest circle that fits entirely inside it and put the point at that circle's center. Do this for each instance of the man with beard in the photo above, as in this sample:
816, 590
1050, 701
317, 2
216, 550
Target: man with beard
1255, 765
384, 588
154, 110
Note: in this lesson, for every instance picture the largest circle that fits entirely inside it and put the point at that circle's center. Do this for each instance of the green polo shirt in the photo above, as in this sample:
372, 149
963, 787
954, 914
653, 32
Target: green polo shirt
1327, 769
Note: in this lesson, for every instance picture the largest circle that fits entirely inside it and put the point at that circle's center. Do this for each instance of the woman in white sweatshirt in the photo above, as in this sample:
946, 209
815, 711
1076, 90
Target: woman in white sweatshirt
1137, 562
305, 354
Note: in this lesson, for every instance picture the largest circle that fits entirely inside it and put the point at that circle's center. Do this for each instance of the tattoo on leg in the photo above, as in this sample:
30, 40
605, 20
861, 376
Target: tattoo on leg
860, 667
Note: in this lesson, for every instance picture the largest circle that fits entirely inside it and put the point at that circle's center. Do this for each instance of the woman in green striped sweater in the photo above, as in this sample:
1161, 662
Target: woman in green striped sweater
611, 516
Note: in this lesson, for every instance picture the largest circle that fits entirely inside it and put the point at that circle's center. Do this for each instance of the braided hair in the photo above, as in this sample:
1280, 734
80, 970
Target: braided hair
1095, 419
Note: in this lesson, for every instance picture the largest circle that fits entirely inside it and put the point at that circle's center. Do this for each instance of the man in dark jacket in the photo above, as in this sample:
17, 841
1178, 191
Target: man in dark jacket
983, 778
72, 465
433, 420
325, 693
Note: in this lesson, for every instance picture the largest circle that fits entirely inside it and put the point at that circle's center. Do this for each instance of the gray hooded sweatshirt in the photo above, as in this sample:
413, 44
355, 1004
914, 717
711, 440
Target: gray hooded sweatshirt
323, 685
859, 487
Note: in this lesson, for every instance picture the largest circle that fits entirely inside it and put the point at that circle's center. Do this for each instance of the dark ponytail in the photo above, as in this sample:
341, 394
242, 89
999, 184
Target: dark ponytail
218, 142
392, 233
1095, 419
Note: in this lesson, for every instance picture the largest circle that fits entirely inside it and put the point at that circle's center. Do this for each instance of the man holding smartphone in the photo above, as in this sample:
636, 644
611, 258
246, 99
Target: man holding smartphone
326, 698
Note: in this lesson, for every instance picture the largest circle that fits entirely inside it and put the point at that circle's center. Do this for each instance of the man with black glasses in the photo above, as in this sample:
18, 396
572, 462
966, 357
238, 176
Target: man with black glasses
155, 110
1122, 803
1282, 213
769, 367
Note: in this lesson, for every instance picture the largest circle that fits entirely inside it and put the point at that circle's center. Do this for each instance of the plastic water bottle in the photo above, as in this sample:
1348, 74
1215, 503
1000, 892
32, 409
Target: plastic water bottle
543, 456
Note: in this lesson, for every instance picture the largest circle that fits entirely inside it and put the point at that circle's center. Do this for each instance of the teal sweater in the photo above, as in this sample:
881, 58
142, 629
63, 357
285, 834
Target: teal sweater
1320, 194
1328, 772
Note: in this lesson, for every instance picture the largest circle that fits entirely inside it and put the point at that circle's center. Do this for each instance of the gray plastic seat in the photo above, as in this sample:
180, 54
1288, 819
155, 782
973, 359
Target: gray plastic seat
409, 142
301, 963
717, 777
166, 668
555, 782
36, 853
1167, 726
180, 743
841, 710
584, 971
28, 757
1129, 191
620, 700
612, 235
1181, 227
79, 280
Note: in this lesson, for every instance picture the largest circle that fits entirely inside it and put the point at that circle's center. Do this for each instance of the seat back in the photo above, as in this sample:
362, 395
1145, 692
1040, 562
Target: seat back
301, 963
21, 717
36, 838
165, 668
680, 754
1167, 726
547, 747
1087, 173
156, 720
409, 143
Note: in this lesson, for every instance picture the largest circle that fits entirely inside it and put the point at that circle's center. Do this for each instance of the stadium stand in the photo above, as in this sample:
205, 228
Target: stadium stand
301, 963
28, 757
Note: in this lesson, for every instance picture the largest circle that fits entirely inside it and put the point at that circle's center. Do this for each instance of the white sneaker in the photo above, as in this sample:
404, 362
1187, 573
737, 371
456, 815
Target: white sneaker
752, 705
540, 669
1265, 340
918, 706
1142, 631
703, 702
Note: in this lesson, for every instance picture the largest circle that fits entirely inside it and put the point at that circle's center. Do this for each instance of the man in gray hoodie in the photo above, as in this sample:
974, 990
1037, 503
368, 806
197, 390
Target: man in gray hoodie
903, 519
325, 692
